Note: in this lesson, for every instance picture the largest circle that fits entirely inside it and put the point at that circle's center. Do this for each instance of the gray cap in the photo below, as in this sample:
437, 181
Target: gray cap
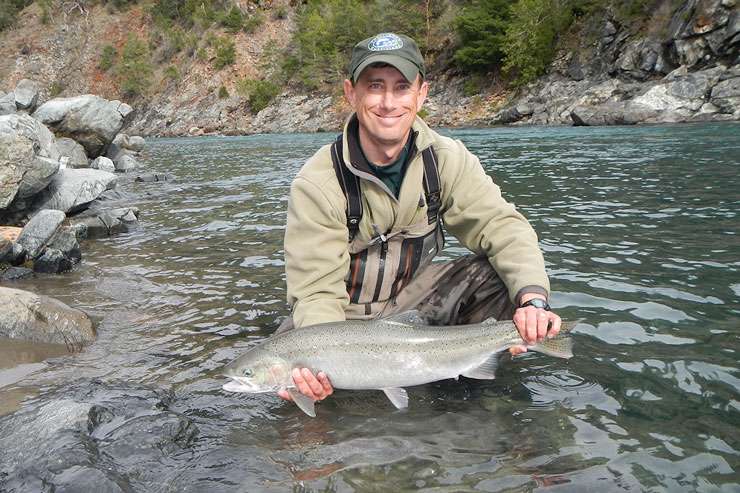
396, 50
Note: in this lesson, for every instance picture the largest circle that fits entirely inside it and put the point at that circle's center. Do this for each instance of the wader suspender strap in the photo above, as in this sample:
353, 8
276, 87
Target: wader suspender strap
350, 184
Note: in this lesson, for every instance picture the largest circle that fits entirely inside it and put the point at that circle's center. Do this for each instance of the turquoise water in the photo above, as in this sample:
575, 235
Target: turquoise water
639, 227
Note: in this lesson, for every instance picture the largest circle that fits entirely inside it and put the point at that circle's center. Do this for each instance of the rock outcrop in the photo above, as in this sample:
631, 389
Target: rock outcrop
88, 119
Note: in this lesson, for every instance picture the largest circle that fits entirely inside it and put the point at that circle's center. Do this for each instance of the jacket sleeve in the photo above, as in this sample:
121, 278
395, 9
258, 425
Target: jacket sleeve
485, 223
316, 257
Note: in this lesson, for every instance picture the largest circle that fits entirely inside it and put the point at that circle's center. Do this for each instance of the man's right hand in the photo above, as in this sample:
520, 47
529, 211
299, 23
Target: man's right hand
317, 387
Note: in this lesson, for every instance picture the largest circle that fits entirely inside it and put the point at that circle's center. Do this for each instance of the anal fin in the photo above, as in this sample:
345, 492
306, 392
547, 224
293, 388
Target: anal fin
303, 402
484, 371
398, 397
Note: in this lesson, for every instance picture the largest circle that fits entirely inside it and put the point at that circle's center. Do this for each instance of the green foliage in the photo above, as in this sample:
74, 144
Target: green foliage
171, 72
225, 52
471, 88
261, 92
135, 68
108, 57
223, 92
482, 32
56, 89
253, 22
327, 31
8, 11
280, 12
234, 19
531, 35
201, 54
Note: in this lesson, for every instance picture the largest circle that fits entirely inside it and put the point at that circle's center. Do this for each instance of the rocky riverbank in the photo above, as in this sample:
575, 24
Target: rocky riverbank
682, 67
57, 160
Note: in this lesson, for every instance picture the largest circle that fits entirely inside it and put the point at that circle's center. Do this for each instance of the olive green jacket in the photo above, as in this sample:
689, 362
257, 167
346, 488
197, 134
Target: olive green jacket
473, 211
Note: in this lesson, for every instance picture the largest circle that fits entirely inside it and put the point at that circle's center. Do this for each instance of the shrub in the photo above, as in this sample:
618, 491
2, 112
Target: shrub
171, 72
223, 92
482, 32
234, 19
261, 92
135, 67
225, 52
531, 35
108, 57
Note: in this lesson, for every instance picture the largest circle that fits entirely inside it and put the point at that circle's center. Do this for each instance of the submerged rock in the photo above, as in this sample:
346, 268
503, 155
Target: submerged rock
90, 435
31, 317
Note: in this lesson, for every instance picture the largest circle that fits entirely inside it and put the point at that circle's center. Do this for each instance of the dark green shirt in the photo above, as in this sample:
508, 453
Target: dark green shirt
392, 174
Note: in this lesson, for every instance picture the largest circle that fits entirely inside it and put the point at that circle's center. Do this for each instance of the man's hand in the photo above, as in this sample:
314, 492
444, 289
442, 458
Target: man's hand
315, 387
533, 324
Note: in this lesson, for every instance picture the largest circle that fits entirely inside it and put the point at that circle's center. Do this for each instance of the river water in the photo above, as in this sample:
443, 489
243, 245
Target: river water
639, 227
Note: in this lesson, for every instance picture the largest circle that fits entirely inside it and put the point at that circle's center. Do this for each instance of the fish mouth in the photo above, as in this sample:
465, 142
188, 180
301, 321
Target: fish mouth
241, 385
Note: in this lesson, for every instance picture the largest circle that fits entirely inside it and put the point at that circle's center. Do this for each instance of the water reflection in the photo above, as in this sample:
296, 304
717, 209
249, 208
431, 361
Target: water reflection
638, 226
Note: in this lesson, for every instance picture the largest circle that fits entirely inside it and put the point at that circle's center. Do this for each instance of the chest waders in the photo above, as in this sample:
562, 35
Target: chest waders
382, 267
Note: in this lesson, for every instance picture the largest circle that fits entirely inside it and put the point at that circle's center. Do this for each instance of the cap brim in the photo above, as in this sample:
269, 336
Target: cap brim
408, 69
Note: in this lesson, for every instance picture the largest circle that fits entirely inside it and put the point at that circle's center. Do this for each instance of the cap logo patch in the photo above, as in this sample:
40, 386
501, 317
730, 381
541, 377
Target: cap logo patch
385, 42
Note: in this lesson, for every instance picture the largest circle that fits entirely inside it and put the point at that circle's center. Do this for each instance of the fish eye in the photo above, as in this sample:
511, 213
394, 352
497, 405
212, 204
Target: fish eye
248, 372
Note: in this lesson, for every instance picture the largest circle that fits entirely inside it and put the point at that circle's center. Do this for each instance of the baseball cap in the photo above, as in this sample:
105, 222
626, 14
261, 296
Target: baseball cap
396, 50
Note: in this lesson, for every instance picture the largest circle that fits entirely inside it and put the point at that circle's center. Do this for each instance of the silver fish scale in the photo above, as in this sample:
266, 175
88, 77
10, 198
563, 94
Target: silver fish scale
384, 353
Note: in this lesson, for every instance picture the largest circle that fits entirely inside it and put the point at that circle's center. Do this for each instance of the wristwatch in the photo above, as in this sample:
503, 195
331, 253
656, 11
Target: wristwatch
537, 303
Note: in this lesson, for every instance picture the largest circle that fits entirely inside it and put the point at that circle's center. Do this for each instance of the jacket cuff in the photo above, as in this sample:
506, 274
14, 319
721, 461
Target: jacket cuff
529, 289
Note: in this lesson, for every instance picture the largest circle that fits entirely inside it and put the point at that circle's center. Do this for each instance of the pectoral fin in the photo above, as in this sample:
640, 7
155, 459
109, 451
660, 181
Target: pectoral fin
398, 397
305, 403
485, 371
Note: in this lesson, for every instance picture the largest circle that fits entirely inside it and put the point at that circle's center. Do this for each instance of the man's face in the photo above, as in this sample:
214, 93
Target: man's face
386, 105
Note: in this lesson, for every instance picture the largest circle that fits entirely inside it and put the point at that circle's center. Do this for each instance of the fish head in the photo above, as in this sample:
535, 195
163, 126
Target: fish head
257, 374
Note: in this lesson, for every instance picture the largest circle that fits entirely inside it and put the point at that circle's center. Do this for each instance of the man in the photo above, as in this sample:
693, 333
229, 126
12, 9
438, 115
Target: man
364, 219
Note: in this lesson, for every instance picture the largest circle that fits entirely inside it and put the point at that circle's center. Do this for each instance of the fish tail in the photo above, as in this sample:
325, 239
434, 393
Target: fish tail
560, 346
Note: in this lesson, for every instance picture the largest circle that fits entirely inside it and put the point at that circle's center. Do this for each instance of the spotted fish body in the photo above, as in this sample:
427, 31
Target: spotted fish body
385, 354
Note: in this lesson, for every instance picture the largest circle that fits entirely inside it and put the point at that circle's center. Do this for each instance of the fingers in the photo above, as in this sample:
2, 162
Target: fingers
517, 349
316, 387
534, 324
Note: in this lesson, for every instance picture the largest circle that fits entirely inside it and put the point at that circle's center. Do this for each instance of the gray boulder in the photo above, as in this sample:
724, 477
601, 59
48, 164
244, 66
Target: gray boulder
11, 252
7, 104
61, 253
26, 95
74, 151
72, 190
103, 163
90, 120
103, 223
40, 230
121, 158
130, 143
28, 316
23, 174
22, 124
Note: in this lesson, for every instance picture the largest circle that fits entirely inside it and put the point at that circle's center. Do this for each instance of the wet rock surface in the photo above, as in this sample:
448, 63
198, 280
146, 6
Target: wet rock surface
94, 436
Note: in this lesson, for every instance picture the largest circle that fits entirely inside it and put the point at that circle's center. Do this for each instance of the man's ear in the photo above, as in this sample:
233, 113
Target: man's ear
349, 92
421, 97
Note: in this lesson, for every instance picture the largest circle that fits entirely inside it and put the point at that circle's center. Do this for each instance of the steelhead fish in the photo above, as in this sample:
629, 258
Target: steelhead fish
385, 354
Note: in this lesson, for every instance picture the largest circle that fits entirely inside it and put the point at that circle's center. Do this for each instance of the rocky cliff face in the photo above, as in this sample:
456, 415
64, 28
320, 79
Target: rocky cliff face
680, 65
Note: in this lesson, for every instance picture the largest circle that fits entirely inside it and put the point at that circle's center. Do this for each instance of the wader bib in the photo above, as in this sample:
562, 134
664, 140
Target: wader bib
381, 268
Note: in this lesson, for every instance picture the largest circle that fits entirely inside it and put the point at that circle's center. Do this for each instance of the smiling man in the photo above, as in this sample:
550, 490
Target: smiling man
365, 219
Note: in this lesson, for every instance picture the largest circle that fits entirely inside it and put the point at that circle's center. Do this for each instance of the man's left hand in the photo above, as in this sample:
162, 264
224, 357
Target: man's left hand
534, 324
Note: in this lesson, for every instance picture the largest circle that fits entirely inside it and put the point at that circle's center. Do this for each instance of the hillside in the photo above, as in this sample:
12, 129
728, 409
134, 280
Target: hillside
604, 61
